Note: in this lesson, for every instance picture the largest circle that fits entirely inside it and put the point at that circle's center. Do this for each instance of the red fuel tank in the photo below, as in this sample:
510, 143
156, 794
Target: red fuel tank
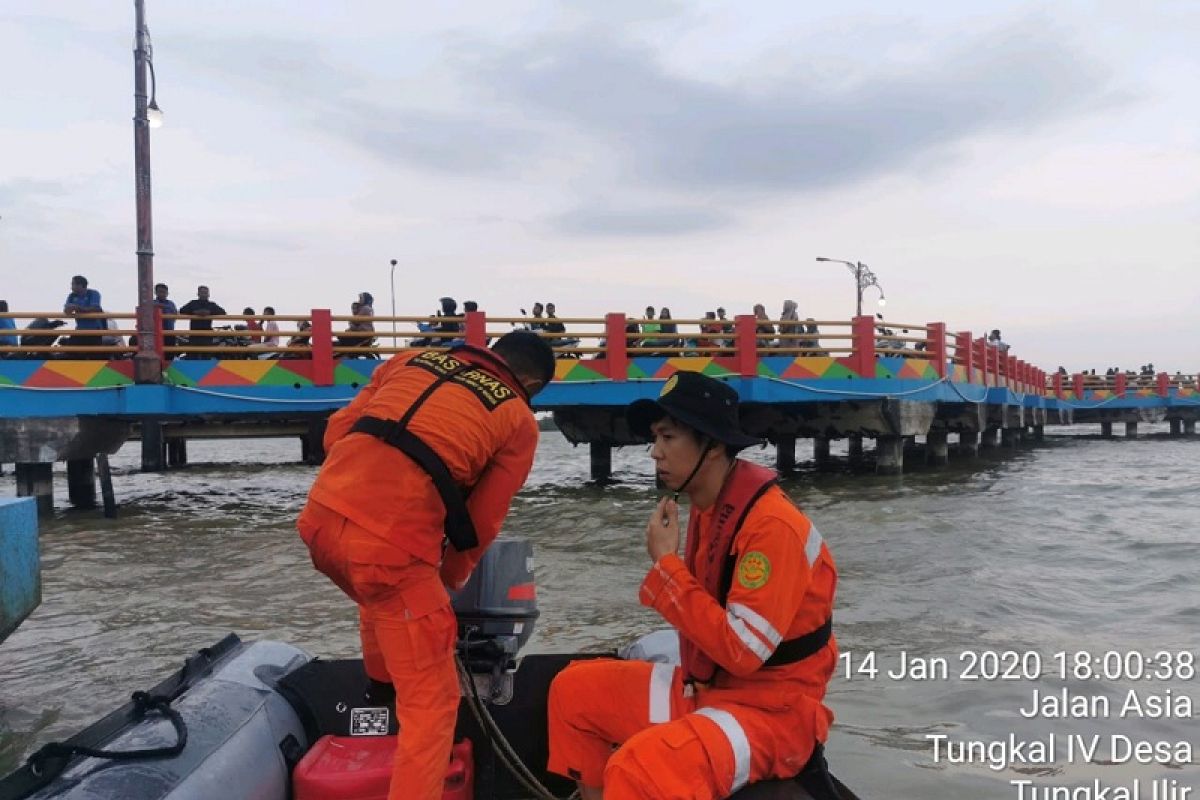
360, 767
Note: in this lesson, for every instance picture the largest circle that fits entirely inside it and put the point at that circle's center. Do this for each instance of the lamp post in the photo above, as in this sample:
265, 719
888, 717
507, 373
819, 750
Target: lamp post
863, 277
392, 281
147, 362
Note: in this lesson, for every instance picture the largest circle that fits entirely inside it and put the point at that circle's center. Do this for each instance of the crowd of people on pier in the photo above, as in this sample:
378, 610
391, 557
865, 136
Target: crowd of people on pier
258, 336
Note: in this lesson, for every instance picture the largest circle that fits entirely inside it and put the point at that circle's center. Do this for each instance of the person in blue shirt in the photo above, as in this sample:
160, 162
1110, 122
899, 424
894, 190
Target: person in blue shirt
7, 324
83, 300
165, 305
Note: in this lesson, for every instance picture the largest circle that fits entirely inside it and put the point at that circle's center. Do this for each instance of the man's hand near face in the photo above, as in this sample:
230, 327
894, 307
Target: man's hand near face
662, 531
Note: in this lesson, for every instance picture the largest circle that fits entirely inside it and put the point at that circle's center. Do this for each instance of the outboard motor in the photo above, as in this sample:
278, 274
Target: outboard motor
496, 613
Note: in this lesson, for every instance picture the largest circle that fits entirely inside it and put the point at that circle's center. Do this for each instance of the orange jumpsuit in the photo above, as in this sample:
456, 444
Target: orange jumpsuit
374, 524
679, 740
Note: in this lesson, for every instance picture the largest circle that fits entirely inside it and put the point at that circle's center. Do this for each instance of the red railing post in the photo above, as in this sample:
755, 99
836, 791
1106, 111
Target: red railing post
1122, 384
476, 324
1022, 371
991, 364
1058, 385
745, 328
935, 343
322, 347
964, 353
1077, 385
863, 356
1164, 384
160, 341
980, 352
616, 349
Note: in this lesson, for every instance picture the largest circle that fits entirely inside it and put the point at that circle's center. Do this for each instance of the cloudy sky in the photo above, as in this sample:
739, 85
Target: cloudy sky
1032, 167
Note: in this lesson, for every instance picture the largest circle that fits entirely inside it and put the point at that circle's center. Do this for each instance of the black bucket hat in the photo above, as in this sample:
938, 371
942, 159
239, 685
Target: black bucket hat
702, 403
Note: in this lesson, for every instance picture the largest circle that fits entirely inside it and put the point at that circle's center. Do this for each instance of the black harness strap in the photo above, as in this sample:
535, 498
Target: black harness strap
459, 527
790, 651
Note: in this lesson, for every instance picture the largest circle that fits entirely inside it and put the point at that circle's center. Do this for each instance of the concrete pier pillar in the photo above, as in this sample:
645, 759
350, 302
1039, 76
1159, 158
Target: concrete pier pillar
1039, 433
177, 453
1010, 437
153, 451
854, 445
785, 454
312, 444
968, 443
601, 460
1130, 430
1189, 427
990, 438
937, 449
821, 450
889, 455
81, 482
37, 480
1106, 429
1176, 427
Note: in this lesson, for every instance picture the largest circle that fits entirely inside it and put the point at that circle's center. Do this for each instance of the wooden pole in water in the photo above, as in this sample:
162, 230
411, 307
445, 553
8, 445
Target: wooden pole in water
106, 487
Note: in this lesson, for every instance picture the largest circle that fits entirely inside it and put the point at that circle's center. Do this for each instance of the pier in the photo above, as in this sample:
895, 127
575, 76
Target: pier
848, 380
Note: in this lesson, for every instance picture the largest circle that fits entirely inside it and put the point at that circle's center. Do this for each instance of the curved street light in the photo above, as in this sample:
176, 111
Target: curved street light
863, 278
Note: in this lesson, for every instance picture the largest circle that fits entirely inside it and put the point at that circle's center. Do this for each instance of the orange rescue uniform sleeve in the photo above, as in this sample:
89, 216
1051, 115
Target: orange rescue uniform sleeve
490, 499
770, 579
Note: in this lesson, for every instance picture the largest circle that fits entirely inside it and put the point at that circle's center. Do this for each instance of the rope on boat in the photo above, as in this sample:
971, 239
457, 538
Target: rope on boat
503, 748
248, 399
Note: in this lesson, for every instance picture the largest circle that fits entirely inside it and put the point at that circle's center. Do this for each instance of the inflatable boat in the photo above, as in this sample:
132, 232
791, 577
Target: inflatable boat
267, 721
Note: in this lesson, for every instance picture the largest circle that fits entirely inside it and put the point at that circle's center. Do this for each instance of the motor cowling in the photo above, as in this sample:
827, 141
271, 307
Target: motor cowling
497, 609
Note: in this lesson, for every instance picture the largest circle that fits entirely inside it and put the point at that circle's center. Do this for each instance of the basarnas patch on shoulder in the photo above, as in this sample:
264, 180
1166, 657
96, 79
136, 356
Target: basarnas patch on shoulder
754, 570
671, 383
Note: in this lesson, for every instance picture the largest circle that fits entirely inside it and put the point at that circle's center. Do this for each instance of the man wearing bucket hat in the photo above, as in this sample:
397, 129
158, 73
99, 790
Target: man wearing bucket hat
752, 601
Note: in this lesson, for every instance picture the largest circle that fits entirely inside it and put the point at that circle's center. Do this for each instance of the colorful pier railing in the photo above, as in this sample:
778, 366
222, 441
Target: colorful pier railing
821, 379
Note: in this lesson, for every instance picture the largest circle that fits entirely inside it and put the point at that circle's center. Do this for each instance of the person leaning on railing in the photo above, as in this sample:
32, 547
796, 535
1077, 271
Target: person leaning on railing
83, 300
763, 328
7, 324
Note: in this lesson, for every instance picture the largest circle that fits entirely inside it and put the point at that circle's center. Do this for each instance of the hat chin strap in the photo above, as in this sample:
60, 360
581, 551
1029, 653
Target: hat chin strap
709, 444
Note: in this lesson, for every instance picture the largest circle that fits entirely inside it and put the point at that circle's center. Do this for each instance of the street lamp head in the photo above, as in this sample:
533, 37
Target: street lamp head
882, 301
823, 258
154, 115
393, 262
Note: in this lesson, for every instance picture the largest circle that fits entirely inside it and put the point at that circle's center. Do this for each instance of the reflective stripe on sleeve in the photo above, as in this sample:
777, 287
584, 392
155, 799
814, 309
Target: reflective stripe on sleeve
813, 548
744, 634
737, 741
660, 692
756, 621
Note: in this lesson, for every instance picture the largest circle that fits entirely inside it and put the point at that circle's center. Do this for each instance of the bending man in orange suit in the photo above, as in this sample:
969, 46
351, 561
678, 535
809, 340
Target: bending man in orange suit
752, 601
431, 451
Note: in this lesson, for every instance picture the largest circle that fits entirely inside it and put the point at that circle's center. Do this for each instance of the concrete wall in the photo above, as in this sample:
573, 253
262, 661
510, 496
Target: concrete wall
20, 564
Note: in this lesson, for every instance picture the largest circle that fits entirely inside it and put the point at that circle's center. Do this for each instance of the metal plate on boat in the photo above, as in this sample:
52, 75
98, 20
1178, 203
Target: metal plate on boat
371, 721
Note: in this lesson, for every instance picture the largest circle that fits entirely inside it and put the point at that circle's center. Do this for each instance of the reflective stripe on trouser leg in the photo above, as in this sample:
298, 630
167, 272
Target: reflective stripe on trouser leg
738, 742
597, 703
661, 677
